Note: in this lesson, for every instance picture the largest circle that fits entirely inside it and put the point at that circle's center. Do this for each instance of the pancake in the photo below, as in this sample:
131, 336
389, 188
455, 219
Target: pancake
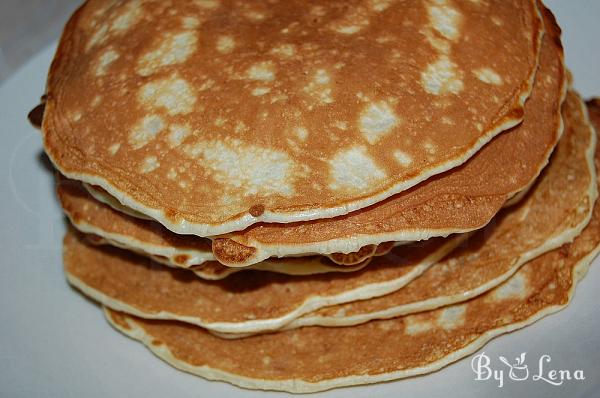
213, 116
460, 200
250, 303
106, 225
547, 218
246, 302
316, 358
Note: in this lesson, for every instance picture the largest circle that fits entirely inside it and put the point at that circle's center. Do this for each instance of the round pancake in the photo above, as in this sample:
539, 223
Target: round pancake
315, 358
210, 116
543, 221
247, 303
460, 200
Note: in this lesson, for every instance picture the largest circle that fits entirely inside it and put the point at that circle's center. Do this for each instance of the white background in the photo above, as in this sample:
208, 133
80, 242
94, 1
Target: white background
56, 343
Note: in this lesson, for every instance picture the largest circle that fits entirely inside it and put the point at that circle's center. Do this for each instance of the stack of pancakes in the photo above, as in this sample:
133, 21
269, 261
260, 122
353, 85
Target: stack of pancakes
254, 187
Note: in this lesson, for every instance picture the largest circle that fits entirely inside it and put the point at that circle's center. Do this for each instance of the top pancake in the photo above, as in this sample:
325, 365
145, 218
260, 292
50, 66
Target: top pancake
210, 116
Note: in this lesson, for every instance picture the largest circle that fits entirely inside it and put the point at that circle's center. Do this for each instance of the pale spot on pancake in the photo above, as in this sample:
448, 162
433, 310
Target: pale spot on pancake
96, 101
515, 288
445, 19
173, 49
439, 44
105, 60
353, 170
240, 127
206, 85
348, 30
261, 71
190, 22
98, 37
172, 174
220, 121
258, 91
452, 317
284, 50
353, 22
430, 148
255, 16
415, 325
442, 77
128, 18
266, 360
379, 5
496, 21
403, 158
76, 116
208, 4
340, 124
249, 168
319, 87
377, 120
146, 130
114, 148
488, 76
301, 133
386, 325
447, 120
178, 133
149, 164
173, 93
318, 11
225, 44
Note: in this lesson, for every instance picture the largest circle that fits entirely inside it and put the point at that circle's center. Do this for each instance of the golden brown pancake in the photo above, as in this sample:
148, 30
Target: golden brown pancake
316, 358
460, 200
210, 116
246, 302
251, 303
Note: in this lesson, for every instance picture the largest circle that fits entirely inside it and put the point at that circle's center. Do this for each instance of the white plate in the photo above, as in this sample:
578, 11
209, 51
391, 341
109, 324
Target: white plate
55, 343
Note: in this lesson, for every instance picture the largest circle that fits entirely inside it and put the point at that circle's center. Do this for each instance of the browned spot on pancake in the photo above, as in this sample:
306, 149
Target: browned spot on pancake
257, 210
156, 342
228, 251
181, 259
171, 213
36, 115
